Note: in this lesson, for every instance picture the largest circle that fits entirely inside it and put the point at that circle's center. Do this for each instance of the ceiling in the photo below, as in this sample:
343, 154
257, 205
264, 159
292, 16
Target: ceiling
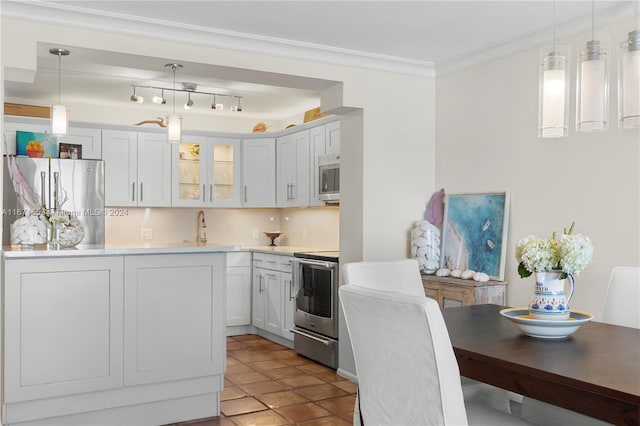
416, 37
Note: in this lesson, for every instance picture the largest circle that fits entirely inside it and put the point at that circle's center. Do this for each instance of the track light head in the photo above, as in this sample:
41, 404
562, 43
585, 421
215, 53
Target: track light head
189, 103
135, 98
160, 100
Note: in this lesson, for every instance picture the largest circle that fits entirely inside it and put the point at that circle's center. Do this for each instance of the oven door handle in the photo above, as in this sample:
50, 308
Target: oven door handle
317, 339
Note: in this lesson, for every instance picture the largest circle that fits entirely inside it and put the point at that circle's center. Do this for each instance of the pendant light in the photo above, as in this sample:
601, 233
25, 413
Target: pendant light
553, 100
174, 120
629, 80
592, 86
59, 116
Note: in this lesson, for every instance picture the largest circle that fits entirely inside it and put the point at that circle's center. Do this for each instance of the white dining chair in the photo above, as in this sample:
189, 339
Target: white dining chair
403, 276
622, 307
407, 371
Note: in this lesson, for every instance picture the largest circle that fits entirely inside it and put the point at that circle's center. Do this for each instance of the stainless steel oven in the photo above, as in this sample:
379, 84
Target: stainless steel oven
315, 278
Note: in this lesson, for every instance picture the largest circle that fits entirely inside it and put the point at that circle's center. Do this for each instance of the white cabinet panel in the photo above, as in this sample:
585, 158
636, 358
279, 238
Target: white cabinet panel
137, 169
259, 172
292, 166
90, 139
63, 326
238, 289
120, 155
324, 140
332, 138
273, 306
173, 326
289, 307
273, 303
154, 170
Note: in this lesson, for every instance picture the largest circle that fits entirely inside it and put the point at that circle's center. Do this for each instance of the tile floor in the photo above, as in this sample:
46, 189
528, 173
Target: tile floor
269, 384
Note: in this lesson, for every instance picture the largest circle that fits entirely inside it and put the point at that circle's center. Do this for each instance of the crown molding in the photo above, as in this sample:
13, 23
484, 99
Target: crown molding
565, 30
69, 15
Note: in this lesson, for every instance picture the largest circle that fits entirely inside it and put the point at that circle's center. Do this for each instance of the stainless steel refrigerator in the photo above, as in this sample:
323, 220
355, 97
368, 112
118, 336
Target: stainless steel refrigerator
79, 189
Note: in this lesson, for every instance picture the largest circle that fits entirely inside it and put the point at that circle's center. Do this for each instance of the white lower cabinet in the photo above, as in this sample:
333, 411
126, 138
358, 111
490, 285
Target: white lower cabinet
172, 324
238, 288
272, 310
62, 327
118, 340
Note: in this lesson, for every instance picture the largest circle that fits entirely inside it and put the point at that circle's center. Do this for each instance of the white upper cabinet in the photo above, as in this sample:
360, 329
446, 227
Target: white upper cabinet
259, 172
206, 172
293, 170
324, 140
137, 169
89, 139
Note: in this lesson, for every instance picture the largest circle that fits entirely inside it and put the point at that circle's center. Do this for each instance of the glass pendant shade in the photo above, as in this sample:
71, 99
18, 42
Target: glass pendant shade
59, 120
592, 102
174, 127
553, 100
629, 83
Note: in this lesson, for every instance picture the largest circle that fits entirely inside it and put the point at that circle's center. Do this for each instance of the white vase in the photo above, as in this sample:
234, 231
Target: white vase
550, 301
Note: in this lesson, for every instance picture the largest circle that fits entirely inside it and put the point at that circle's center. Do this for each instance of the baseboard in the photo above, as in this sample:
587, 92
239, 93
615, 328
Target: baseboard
342, 373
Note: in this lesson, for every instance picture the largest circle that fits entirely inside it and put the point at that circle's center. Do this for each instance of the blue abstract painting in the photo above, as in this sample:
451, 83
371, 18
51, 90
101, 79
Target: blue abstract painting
475, 233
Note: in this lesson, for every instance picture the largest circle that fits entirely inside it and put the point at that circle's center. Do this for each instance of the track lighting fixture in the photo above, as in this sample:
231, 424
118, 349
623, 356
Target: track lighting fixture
237, 107
135, 98
160, 100
59, 116
189, 88
189, 103
215, 105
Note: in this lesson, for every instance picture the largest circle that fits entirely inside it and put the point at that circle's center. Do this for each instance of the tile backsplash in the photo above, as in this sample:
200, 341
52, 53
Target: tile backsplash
315, 227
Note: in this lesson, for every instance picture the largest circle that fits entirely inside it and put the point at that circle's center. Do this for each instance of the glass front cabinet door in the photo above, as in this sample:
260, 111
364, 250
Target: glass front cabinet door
206, 172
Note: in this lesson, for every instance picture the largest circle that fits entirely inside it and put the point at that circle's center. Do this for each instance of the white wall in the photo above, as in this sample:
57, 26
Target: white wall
486, 136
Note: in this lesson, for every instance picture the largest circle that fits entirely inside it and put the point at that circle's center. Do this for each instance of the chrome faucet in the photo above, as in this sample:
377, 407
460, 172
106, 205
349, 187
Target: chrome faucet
201, 236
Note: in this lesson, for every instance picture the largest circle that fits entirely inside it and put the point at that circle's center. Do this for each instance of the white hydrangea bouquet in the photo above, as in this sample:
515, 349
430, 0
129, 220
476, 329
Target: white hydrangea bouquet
569, 254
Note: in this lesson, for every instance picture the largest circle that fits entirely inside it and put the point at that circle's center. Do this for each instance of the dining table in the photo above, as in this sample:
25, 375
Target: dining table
594, 371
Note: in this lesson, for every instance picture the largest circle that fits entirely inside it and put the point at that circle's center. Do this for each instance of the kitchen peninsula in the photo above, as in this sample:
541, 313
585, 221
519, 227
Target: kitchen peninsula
114, 334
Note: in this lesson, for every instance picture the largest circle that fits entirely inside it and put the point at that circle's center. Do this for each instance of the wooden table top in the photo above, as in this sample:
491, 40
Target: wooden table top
599, 359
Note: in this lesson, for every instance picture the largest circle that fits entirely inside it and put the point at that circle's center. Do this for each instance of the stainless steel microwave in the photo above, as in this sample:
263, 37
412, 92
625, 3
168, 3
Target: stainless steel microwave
329, 179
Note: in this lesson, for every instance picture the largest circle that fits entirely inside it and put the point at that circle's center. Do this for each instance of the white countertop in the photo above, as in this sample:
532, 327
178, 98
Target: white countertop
140, 248
118, 250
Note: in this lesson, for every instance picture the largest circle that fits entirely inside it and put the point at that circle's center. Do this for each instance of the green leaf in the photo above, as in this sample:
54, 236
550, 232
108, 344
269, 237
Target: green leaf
524, 272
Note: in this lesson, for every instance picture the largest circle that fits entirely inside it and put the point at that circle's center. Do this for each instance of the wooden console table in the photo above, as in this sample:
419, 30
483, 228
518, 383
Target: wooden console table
451, 292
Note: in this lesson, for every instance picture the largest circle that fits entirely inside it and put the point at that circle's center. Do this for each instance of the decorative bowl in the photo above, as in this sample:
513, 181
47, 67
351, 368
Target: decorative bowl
273, 236
545, 329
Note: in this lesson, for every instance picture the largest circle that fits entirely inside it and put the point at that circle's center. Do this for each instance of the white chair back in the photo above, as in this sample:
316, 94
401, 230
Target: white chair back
402, 276
622, 306
406, 368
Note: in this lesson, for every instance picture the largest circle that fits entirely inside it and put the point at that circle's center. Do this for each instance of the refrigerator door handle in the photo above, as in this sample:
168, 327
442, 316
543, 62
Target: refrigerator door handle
133, 191
141, 193
43, 183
